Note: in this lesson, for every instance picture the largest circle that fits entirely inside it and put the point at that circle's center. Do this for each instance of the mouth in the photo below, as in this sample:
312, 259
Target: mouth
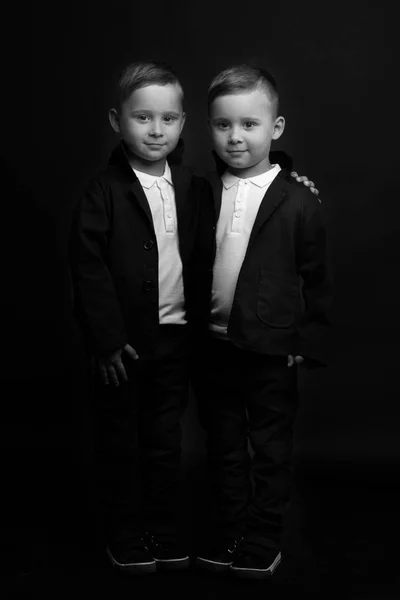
236, 151
151, 145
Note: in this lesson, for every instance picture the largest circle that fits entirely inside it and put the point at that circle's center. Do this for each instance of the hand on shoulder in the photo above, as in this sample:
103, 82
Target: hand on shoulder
310, 184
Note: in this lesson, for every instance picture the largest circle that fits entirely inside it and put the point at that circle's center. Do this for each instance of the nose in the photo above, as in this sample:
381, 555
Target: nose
156, 129
235, 136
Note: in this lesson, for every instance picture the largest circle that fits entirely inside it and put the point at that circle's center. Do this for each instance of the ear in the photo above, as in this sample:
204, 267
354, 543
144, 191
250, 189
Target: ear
114, 120
183, 122
279, 127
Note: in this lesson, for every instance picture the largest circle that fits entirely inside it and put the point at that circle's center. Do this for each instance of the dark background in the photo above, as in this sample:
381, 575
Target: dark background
336, 73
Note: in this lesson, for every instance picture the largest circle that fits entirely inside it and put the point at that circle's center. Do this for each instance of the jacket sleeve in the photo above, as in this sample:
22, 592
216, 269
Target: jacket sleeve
317, 288
96, 306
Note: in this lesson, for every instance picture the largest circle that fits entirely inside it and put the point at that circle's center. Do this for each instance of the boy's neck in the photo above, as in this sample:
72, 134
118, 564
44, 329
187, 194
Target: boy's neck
155, 168
258, 169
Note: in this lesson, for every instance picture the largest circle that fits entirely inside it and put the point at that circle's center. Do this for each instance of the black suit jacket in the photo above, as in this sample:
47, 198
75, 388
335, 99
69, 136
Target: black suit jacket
284, 287
114, 257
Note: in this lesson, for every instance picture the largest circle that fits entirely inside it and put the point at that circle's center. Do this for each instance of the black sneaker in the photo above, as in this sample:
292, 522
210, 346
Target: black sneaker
132, 558
167, 553
256, 566
219, 557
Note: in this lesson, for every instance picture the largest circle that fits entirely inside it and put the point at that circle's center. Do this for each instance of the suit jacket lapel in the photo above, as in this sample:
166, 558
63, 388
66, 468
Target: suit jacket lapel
181, 180
216, 184
273, 197
130, 182
137, 192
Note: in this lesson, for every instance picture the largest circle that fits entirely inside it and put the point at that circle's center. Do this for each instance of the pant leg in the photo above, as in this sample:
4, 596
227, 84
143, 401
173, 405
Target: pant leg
118, 480
165, 400
219, 388
271, 406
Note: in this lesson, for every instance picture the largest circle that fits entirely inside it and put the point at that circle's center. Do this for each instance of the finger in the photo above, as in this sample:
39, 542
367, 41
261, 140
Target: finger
301, 178
314, 190
298, 360
112, 375
131, 352
104, 375
120, 370
290, 361
294, 174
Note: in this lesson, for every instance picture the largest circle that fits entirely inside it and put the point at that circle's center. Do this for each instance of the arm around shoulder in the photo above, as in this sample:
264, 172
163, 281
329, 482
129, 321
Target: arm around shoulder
317, 285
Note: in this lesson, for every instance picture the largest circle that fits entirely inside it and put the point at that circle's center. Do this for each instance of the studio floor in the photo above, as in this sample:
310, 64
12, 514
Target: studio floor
341, 542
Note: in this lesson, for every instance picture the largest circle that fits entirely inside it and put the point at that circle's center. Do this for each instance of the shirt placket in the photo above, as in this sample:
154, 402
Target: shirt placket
239, 206
168, 212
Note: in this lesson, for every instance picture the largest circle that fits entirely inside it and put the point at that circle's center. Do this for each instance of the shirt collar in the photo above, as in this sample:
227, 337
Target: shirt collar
260, 181
147, 181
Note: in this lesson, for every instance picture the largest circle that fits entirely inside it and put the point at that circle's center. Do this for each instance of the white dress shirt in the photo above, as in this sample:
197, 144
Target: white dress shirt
241, 199
161, 198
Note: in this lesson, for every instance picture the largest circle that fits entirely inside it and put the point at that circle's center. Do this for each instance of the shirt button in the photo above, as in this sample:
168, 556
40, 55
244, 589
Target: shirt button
148, 244
237, 214
169, 215
239, 200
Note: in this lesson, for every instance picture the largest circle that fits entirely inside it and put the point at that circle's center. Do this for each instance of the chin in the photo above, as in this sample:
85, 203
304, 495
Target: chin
238, 163
154, 157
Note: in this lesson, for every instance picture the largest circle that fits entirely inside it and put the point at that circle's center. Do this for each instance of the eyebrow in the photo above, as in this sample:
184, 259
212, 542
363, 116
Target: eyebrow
141, 111
241, 118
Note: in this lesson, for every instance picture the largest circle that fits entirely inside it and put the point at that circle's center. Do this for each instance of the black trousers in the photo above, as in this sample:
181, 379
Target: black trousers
243, 396
138, 445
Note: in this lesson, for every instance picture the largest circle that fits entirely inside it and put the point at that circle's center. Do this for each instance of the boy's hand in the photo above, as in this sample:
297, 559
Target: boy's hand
304, 179
112, 369
294, 360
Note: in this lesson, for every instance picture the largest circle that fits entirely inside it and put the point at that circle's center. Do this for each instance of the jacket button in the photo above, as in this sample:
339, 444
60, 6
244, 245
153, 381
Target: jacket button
148, 244
148, 285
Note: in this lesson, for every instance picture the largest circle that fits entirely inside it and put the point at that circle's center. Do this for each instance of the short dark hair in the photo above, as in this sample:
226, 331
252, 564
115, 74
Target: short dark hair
244, 78
143, 73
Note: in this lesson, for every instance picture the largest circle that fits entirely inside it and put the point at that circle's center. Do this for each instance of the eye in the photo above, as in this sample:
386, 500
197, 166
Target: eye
169, 119
222, 125
249, 124
142, 118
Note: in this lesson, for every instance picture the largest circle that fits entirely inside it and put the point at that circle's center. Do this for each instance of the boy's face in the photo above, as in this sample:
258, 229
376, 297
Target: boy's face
150, 121
242, 128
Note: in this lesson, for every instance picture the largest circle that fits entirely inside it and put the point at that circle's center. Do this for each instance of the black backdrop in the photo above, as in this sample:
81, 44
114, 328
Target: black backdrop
335, 69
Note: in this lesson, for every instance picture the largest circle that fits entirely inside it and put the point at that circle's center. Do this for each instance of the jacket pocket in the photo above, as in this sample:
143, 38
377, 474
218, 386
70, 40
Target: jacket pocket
277, 299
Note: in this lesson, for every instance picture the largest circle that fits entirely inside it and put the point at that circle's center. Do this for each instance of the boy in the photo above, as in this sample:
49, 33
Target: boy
140, 262
270, 292
138, 279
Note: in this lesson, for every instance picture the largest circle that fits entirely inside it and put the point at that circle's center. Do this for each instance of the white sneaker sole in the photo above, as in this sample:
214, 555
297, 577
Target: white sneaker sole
257, 573
212, 565
134, 568
173, 564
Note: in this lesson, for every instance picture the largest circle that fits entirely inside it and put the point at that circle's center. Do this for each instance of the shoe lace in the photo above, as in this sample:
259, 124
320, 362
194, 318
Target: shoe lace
235, 544
154, 541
